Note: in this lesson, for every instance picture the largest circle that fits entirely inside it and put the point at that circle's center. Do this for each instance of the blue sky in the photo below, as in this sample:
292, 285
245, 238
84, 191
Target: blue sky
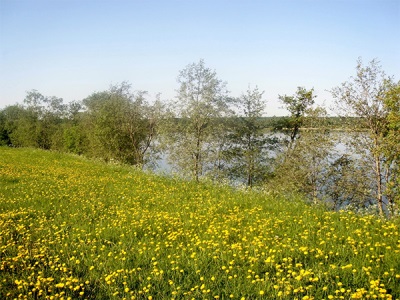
71, 49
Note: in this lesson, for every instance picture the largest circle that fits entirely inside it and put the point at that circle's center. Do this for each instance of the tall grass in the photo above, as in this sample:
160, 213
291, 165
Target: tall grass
79, 229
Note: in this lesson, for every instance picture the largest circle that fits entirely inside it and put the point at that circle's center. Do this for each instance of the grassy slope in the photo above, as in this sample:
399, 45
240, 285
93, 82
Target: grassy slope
81, 229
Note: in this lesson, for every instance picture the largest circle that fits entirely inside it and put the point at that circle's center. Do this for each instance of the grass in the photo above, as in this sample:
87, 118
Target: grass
79, 229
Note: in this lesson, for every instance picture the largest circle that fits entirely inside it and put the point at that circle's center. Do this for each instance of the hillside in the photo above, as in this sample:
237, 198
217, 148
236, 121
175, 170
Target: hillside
80, 229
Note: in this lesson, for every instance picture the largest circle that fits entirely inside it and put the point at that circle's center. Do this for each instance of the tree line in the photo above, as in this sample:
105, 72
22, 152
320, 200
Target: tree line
207, 133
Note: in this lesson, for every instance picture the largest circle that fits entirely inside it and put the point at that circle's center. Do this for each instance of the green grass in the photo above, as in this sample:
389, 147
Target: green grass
79, 229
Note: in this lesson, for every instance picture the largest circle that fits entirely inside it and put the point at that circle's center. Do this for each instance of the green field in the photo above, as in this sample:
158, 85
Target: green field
79, 229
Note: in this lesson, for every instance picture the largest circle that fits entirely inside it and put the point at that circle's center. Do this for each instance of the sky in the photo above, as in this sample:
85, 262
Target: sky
71, 49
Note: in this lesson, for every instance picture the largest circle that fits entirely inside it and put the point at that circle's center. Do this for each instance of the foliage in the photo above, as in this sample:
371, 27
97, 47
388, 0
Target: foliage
304, 166
46, 115
75, 228
8, 123
391, 146
120, 124
363, 97
202, 99
112, 125
74, 139
343, 187
249, 144
297, 105
33, 124
303, 162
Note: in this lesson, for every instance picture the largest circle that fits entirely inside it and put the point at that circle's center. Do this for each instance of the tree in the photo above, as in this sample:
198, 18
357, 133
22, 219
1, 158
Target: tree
301, 160
391, 145
297, 105
363, 97
304, 166
23, 126
120, 124
248, 156
343, 186
37, 121
7, 124
201, 101
46, 115
72, 134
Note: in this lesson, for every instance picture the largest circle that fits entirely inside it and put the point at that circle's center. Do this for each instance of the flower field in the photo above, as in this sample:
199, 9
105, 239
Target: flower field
71, 228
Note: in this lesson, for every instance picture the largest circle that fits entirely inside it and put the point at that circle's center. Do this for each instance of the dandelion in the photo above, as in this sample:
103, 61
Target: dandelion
185, 238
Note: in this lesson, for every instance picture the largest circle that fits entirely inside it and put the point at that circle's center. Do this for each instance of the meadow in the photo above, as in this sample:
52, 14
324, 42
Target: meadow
71, 228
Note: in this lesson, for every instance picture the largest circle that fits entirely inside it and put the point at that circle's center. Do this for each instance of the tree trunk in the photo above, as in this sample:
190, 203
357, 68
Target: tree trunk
197, 160
250, 162
389, 195
378, 177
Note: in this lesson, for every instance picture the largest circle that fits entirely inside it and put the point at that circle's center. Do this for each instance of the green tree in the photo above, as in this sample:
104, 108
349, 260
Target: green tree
304, 166
8, 117
46, 116
303, 152
247, 155
73, 139
391, 146
20, 126
202, 100
120, 124
72, 133
35, 123
343, 186
297, 105
362, 97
